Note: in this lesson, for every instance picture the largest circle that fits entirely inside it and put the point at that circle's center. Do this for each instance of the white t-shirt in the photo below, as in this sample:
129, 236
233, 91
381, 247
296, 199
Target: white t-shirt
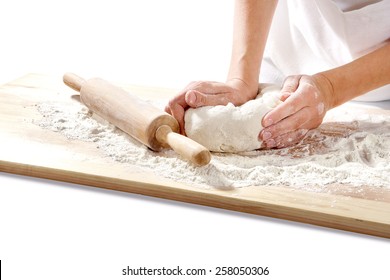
310, 36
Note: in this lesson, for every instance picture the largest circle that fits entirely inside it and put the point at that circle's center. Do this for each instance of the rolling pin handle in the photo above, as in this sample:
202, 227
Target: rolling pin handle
73, 81
184, 146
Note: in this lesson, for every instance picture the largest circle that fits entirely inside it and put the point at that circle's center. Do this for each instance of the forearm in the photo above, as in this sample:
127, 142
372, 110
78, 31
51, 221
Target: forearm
252, 21
358, 77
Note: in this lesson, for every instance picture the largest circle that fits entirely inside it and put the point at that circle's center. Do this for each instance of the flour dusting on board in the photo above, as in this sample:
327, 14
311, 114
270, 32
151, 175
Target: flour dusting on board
344, 150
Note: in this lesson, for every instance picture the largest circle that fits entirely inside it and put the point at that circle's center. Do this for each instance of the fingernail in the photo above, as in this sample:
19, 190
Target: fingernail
268, 122
191, 97
270, 143
267, 135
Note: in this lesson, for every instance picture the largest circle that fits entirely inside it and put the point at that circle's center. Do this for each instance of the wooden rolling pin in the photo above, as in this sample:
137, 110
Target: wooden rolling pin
146, 123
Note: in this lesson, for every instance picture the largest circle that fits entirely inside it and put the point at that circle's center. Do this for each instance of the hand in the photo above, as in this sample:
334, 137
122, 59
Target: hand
306, 99
205, 93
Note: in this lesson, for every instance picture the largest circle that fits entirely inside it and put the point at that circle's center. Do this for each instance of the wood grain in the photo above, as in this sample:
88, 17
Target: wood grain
29, 150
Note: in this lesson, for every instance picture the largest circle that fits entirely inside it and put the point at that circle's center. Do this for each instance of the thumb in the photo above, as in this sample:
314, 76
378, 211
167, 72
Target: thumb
196, 99
290, 85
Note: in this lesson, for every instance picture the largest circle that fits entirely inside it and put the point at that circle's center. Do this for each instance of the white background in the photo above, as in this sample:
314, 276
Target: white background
52, 230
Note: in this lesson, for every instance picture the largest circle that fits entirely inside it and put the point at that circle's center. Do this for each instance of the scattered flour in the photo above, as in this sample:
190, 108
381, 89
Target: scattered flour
352, 150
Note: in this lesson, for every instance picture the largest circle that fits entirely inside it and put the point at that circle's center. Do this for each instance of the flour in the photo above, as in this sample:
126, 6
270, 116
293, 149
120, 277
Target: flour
351, 150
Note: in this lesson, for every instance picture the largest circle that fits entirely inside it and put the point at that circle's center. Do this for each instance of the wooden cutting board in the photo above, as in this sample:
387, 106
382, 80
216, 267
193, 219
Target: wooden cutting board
30, 150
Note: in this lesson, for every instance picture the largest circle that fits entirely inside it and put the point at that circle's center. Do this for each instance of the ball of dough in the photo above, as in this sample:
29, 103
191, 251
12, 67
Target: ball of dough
231, 128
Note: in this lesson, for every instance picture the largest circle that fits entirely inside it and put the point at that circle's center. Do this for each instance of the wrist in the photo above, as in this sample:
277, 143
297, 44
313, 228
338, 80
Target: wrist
325, 84
248, 89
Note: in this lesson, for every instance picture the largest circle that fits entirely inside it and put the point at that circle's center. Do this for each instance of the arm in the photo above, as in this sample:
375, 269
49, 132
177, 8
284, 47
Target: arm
252, 21
359, 77
307, 98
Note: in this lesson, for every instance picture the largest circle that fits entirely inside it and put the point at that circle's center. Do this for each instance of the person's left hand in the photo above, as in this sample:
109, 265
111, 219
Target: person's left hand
306, 99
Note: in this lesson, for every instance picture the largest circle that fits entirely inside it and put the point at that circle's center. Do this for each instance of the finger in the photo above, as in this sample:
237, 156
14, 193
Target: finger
301, 119
178, 99
177, 112
290, 85
283, 110
191, 85
167, 109
211, 87
207, 87
298, 100
290, 138
196, 99
284, 96
176, 107
286, 140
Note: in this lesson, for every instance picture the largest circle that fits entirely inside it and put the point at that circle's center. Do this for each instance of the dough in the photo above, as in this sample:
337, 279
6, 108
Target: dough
230, 128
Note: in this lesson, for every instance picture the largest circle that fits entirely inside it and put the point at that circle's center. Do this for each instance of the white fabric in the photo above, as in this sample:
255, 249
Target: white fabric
309, 36
350, 5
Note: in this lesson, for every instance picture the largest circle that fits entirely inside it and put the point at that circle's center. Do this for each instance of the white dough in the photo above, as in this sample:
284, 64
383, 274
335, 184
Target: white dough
230, 128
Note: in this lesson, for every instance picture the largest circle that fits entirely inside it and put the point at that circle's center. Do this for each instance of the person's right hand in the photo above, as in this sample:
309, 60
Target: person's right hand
205, 93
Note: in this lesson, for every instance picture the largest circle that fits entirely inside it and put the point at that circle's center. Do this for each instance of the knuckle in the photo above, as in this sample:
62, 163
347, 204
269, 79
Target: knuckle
277, 130
171, 104
282, 141
233, 97
290, 78
310, 92
167, 109
287, 89
193, 85
292, 105
200, 98
270, 131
